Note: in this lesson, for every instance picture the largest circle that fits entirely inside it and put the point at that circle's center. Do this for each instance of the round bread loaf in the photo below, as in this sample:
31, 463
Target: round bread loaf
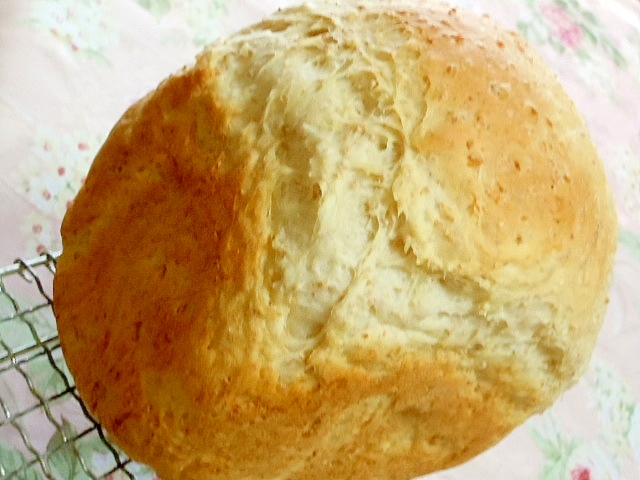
356, 240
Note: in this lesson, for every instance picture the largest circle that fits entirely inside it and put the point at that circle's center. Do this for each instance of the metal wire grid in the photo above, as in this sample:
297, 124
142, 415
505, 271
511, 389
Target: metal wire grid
43, 423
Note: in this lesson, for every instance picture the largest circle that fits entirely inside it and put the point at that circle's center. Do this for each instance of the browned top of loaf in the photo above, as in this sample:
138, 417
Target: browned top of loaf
350, 242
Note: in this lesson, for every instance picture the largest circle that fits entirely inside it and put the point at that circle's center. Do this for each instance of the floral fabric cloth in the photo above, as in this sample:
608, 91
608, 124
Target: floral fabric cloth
69, 68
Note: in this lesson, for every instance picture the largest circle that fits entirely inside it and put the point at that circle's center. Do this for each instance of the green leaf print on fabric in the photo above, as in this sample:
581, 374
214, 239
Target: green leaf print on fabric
12, 460
61, 454
202, 17
158, 8
616, 408
20, 331
631, 241
47, 381
65, 456
610, 454
557, 447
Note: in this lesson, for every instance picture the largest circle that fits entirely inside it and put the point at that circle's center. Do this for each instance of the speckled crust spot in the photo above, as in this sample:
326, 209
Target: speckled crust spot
356, 240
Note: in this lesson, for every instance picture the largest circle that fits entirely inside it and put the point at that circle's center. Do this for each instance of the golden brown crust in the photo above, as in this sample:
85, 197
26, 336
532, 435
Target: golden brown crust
350, 242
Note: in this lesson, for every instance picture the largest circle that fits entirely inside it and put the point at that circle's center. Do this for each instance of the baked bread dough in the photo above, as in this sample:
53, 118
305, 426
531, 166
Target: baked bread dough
360, 239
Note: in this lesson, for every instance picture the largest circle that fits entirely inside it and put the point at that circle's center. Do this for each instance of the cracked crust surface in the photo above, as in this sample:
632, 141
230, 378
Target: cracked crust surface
357, 240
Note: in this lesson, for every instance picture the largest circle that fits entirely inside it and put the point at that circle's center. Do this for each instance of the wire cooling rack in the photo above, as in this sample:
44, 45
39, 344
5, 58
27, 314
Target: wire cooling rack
45, 429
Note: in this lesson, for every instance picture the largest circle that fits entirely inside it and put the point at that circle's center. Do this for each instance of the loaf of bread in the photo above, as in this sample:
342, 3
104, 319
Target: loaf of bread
360, 239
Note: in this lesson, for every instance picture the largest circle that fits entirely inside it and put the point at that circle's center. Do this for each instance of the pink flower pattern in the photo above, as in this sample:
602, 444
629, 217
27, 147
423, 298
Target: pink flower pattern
581, 473
570, 26
565, 26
